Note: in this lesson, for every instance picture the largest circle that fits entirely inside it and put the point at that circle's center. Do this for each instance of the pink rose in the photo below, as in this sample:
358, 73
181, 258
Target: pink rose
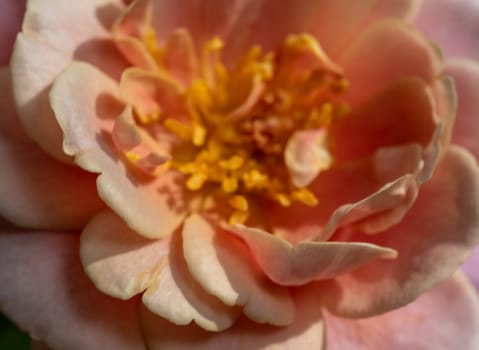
244, 174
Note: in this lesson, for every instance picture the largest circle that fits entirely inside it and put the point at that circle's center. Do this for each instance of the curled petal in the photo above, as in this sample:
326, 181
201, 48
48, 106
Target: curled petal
152, 207
432, 241
223, 266
49, 42
380, 191
138, 145
307, 261
122, 264
151, 94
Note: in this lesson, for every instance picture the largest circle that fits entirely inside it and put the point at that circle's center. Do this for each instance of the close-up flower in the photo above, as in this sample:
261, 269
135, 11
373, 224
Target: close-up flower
243, 174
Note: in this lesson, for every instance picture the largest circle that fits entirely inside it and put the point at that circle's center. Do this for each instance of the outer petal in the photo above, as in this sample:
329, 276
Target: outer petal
306, 332
45, 291
36, 190
367, 63
432, 241
338, 22
307, 261
454, 25
471, 269
466, 128
122, 264
10, 24
49, 42
223, 266
446, 317
152, 207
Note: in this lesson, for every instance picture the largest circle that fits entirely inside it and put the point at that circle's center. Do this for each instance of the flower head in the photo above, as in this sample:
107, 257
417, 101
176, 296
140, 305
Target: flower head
248, 173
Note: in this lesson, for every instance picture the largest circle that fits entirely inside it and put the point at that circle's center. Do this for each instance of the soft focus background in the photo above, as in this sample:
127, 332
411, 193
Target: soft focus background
11, 338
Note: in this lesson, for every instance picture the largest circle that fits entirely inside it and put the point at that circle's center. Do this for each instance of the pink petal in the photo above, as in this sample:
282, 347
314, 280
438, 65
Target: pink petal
400, 114
10, 23
471, 269
307, 261
36, 190
466, 128
380, 191
453, 25
367, 63
338, 22
49, 42
224, 268
204, 20
152, 93
446, 317
306, 332
123, 264
45, 291
432, 241
152, 207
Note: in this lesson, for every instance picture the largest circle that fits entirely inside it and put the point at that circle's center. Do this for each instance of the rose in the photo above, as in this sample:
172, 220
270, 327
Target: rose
106, 269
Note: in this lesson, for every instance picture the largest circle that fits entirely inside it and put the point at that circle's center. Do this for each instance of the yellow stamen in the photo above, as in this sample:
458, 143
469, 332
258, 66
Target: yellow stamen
178, 128
239, 202
238, 217
237, 119
229, 184
199, 135
305, 196
196, 181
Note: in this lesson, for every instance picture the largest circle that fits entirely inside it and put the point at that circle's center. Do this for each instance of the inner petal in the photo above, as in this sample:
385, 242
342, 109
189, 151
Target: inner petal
237, 132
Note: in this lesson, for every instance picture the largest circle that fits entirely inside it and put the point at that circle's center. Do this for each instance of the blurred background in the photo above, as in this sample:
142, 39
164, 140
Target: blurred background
11, 338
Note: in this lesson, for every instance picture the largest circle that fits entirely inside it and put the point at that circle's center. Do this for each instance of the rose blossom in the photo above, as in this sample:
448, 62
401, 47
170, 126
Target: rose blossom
255, 186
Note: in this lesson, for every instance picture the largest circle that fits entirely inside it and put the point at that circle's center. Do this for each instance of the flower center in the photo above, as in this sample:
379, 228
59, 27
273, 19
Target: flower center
254, 128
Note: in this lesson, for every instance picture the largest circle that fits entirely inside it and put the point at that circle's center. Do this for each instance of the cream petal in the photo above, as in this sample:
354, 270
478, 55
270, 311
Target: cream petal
46, 293
152, 94
224, 268
446, 317
453, 25
306, 332
36, 190
123, 264
367, 63
153, 207
49, 42
432, 241
290, 265
306, 155
466, 79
